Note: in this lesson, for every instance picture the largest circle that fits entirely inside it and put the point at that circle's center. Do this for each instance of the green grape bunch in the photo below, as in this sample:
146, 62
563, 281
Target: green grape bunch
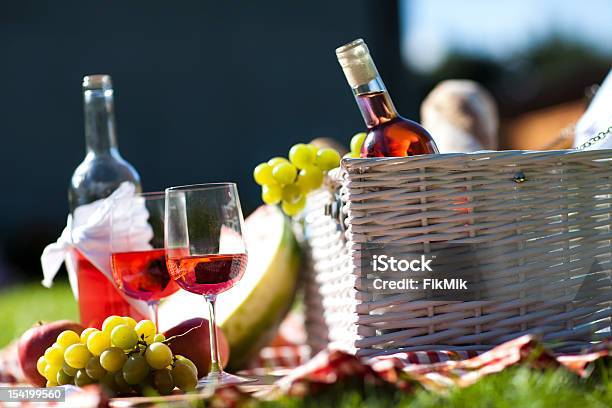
288, 181
356, 144
125, 357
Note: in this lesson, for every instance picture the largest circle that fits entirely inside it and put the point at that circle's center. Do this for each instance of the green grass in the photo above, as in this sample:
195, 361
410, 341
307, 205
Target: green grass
512, 388
22, 306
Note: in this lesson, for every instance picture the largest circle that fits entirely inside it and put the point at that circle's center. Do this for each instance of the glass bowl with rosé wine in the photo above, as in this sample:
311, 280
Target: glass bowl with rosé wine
138, 256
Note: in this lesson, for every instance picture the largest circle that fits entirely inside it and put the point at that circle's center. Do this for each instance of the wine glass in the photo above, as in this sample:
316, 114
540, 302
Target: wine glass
138, 256
206, 252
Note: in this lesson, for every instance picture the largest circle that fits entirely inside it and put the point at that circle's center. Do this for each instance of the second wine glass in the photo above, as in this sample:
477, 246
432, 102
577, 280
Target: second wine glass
138, 256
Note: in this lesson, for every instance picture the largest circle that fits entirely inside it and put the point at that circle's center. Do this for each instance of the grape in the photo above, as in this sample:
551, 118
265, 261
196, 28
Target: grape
158, 338
310, 178
276, 160
76, 356
54, 355
301, 155
146, 330
314, 149
86, 333
40, 365
111, 322
81, 378
163, 382
71, 371
124, 337
357, 142
98, 342
135, 369
51, 384
188, 362
327, 159
67, 338
158, 355
183, 376
284, 173
263, 174
291, 193
63, 378
108, 382
351, 156
129, 321
94, 369
113, 359
122, 386
271, 194
51, 372
294, 208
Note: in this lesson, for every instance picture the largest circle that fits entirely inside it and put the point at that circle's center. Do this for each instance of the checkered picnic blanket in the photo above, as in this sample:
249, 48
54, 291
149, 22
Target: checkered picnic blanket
302, 375
436, 371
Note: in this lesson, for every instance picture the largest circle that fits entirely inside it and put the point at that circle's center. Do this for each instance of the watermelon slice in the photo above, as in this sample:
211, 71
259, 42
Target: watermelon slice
251, 312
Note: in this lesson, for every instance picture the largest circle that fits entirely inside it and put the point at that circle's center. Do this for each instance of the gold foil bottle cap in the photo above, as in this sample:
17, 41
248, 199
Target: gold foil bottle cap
356, 62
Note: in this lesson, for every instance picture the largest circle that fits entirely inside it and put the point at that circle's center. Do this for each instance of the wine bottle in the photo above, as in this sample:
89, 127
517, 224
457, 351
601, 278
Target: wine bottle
388, 135
98, 175
103, 168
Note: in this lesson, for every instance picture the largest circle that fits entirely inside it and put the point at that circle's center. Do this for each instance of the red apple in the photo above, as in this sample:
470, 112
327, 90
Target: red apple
33, 343
195, 344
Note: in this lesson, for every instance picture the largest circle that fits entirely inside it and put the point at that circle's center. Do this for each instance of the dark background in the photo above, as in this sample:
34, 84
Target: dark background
204, 91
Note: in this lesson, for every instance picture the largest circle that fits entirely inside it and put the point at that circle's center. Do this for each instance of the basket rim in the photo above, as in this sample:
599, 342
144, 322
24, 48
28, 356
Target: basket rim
483, 154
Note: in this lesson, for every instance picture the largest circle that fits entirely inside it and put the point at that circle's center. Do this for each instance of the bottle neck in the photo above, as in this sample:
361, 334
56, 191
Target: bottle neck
100, 137
374, 103
363, 78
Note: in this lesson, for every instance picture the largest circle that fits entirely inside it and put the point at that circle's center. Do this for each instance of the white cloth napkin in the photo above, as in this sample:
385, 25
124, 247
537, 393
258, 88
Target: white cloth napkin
89, 231
597, 118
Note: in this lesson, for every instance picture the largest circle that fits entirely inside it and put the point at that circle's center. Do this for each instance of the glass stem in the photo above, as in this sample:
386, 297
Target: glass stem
154, 307
215, 361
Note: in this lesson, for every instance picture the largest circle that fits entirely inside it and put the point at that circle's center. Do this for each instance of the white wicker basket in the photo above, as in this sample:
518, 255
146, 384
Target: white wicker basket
547, 213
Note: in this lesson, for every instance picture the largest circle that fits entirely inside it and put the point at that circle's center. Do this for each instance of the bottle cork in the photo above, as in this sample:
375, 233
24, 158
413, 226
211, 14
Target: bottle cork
97, 81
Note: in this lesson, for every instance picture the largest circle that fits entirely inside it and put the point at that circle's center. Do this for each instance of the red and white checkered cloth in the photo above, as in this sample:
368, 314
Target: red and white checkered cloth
10, 371
435, 370
403, 370
409, 370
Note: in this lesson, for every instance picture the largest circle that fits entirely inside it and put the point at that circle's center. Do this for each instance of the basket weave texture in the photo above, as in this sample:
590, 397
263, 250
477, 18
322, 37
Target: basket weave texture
534, 219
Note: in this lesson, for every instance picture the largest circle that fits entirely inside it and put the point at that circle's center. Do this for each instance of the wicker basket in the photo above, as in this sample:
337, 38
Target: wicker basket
546, 216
